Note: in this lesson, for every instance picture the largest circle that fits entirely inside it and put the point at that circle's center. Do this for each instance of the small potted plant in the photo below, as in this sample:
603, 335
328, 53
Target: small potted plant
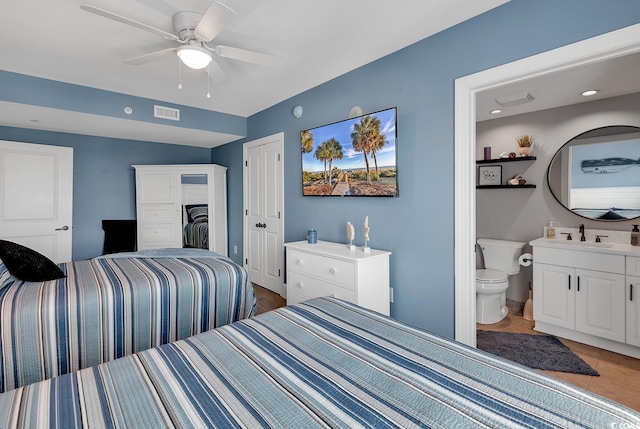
524, 144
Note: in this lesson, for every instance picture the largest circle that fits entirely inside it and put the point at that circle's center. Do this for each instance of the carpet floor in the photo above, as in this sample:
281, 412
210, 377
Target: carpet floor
267, 300
534, 351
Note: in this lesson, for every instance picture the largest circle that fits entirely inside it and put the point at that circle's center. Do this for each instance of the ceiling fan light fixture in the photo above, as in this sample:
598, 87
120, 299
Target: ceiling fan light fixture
194, 57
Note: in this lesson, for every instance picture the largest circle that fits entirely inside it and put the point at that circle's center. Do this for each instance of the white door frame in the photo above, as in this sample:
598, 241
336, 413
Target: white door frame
279, 137
610, 45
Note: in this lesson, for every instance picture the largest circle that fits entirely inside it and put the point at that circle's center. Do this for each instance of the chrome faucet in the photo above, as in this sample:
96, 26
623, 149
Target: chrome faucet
581, 230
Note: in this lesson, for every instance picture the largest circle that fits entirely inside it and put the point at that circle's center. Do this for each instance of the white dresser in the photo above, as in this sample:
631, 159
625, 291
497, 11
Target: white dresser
331, 269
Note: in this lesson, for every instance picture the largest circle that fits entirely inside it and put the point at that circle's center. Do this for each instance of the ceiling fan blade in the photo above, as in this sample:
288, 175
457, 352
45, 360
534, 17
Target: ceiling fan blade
244, 55
213, 21
150, 57
216, 73
128, 21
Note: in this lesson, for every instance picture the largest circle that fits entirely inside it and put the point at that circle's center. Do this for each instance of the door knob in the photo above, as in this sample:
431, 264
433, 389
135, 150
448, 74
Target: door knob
64, 228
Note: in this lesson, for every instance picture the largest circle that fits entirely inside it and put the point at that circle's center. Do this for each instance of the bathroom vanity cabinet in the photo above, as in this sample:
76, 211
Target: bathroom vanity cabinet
587, 295
331, 269
632, 297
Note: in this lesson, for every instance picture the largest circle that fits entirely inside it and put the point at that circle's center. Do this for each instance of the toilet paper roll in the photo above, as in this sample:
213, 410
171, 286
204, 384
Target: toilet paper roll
526, 259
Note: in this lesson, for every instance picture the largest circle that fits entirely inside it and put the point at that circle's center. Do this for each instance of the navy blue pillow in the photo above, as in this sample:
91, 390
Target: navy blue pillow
27, 264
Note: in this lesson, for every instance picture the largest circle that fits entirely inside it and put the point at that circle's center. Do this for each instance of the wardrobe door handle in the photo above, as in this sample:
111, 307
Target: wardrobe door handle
578, 283
631, 292
569, 282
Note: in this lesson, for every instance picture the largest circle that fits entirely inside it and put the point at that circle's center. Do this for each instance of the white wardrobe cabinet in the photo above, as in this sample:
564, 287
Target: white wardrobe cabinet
164, 191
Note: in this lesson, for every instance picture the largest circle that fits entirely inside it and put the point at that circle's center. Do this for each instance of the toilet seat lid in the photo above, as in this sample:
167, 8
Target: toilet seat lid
490, 276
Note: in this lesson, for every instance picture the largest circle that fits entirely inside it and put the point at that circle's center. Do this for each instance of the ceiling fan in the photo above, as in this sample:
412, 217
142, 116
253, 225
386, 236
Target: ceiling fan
193, 31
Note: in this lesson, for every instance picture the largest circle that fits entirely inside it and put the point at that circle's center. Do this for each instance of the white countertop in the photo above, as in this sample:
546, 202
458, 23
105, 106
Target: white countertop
587, 246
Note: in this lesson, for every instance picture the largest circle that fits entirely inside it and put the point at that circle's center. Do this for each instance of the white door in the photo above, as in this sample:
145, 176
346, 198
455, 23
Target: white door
264, 212
600, 304
36, 197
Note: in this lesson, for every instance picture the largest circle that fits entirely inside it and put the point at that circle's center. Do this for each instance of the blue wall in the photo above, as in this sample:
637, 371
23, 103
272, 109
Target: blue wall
103, 179
418, 226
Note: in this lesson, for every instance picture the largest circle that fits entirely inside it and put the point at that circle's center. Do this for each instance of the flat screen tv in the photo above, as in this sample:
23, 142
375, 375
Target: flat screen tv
356, 157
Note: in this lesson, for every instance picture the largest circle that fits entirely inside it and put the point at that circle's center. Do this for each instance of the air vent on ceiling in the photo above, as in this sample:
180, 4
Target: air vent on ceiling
513, 100
166, 113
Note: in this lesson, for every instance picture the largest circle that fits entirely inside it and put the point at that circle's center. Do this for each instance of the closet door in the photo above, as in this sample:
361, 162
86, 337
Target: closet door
263, 247
158, 213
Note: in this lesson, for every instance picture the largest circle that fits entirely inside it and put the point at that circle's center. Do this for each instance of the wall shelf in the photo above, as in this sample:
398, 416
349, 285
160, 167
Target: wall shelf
495, 161
504, 186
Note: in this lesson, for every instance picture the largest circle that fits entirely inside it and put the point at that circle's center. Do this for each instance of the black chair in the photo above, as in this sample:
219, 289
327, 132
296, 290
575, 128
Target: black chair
119, 236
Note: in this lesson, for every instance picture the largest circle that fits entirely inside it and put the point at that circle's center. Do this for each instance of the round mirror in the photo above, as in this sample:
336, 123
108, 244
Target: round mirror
596, 174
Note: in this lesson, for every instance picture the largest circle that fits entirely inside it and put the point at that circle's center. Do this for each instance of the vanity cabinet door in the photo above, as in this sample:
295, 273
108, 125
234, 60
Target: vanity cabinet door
633, 310
553, 295
600, 304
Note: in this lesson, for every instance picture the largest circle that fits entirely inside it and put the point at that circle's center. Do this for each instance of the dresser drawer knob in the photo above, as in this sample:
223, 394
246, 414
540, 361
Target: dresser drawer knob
332, 270
298, 261
299, 285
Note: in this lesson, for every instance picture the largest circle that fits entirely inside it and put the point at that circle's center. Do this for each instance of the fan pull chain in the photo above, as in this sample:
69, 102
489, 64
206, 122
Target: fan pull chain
179, 74
208, 71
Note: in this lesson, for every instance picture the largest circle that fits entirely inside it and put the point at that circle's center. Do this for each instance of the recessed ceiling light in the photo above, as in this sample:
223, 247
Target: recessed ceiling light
496, 111
590, 92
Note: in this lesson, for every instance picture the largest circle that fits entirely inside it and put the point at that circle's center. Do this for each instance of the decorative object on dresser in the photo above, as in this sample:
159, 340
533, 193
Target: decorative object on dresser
351, 234
168, 197
328, 268
366, 229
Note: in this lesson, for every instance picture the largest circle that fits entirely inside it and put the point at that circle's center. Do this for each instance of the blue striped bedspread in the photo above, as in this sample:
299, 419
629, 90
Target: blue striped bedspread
196, 235
318, 364
107, 308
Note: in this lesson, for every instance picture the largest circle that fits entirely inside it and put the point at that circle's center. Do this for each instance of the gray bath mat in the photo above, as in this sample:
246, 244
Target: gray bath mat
534, 351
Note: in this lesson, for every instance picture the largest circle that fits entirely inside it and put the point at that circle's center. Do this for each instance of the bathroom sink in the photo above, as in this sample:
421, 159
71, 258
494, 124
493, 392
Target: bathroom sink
581, 243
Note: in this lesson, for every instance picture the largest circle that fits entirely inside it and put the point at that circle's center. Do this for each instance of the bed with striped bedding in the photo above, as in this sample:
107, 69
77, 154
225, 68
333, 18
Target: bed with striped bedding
196, 235
320, 363
111, 307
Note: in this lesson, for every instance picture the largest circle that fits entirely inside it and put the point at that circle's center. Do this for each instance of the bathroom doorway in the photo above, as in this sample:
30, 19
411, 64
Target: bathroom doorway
611, 45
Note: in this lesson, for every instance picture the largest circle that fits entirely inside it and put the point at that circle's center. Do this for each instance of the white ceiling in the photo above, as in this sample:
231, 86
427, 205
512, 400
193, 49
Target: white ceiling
613, 77
313, 40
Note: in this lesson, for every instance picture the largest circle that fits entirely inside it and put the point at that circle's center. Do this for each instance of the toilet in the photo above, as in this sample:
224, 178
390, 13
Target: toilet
500, 261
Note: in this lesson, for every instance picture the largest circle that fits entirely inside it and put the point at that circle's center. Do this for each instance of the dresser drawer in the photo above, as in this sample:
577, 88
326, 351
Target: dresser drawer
633, 266
301, 287
333, 270
157, 233
156, 213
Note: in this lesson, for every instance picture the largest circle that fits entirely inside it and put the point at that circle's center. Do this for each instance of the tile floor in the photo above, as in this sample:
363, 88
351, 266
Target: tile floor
619, 375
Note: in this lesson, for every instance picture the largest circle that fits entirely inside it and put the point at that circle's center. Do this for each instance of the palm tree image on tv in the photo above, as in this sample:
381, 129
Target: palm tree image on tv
355, 157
